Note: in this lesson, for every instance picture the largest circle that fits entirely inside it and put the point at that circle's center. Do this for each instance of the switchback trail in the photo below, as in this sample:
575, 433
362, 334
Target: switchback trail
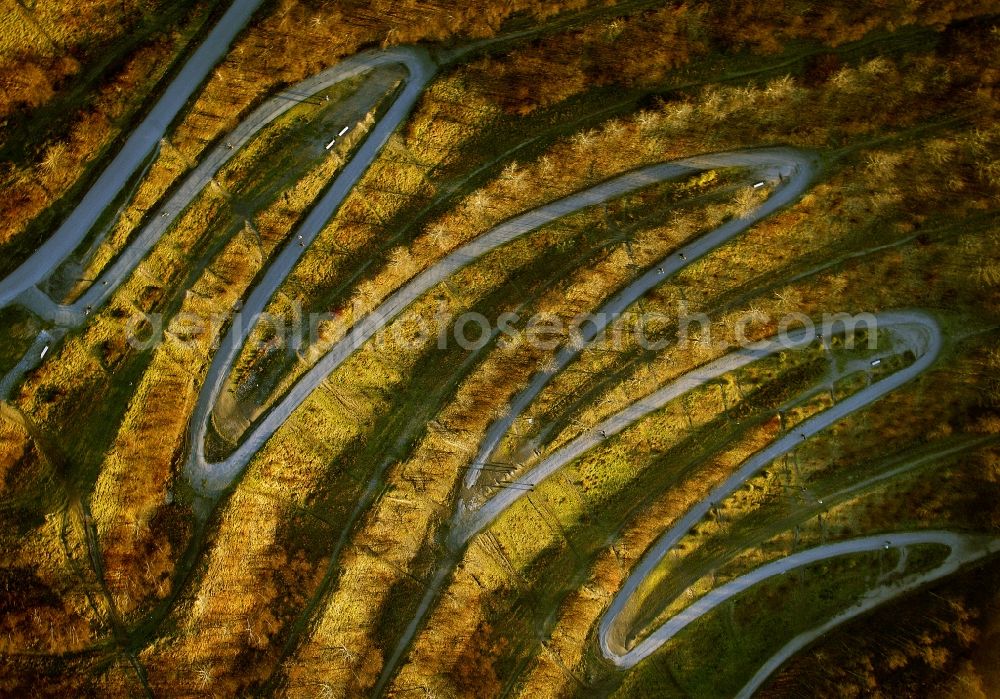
787, 173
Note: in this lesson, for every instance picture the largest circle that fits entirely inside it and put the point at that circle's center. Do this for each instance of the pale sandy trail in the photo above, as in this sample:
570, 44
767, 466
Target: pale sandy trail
964, 549
73, 315
420, 69
136, 149
770, 163
919, 333
788, 170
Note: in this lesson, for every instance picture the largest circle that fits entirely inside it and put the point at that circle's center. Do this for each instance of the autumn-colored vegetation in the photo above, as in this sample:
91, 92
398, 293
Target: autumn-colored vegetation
73, 77
302, 578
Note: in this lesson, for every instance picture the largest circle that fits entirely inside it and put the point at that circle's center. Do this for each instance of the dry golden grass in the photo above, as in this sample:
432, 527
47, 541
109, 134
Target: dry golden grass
239, 602
466, 669
134, 483
481, 206
36, 184
14, 445
50, 26
68, 621
236, 607
135, 478
501, 558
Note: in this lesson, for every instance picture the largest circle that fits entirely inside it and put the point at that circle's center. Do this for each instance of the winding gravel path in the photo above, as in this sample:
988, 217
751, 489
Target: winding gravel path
916, 332
957, 544
924, 341
789, 173
212, 477
73, 315
420, 67
963, 549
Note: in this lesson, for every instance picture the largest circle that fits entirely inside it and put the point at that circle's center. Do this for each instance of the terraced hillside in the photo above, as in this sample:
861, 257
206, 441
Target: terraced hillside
636, 349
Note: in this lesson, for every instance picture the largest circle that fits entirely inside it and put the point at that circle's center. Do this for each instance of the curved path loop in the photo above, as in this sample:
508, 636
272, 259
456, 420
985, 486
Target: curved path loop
773, 164
420, 68
913, 331
962, 549
788, 172
20, 287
